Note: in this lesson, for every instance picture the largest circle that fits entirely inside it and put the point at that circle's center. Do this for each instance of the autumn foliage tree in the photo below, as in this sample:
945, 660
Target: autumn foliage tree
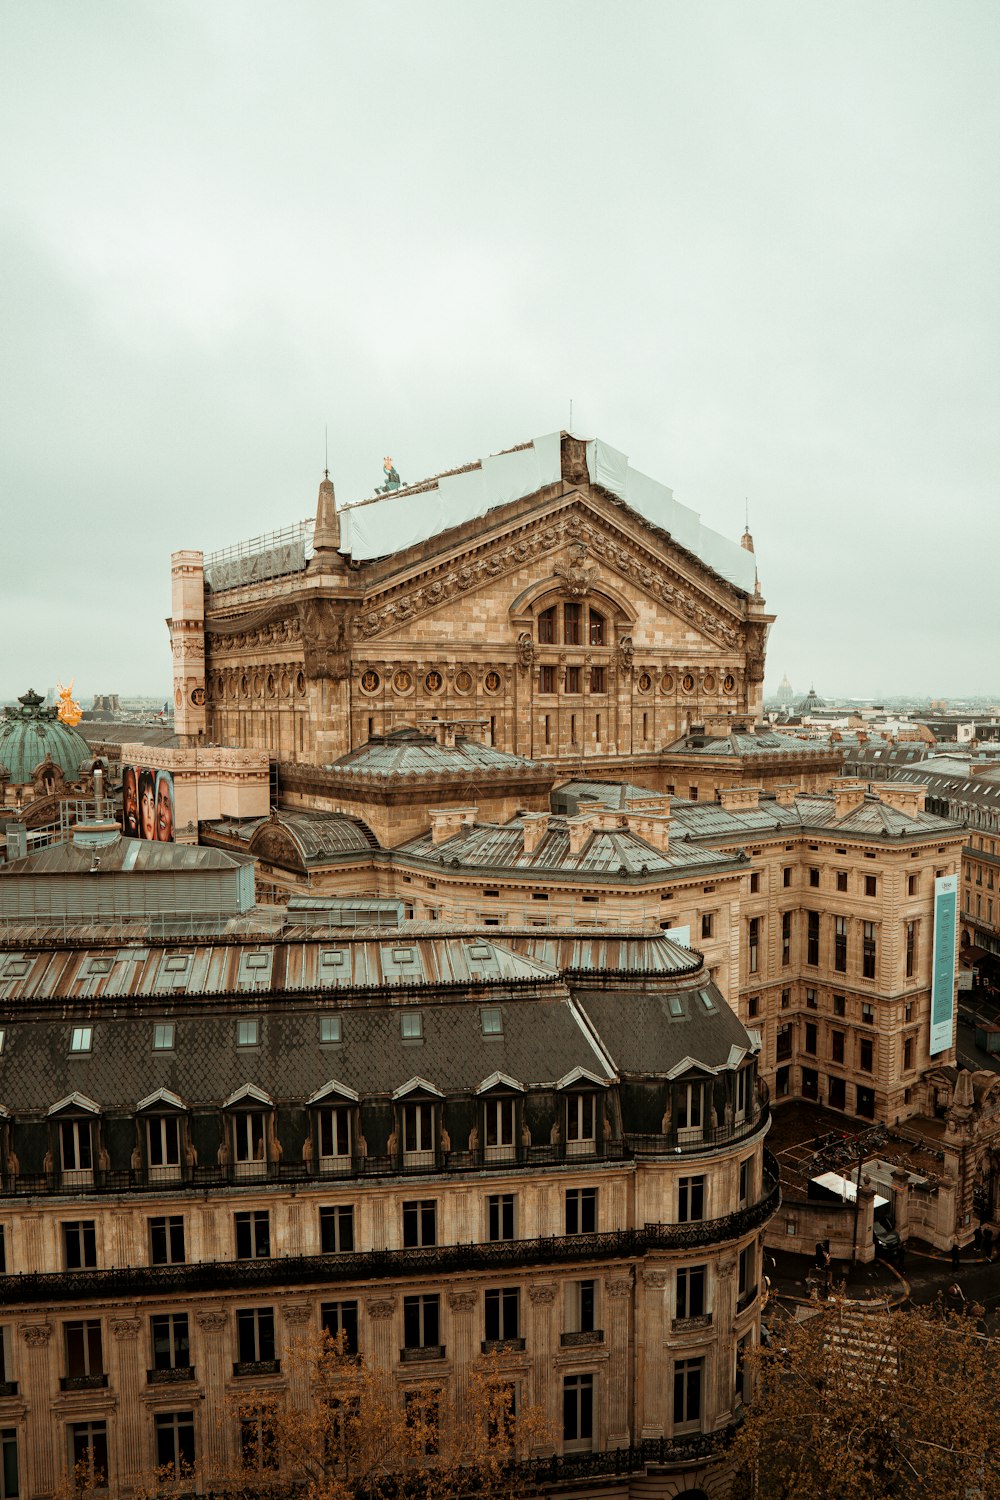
859, 1405
356, 1438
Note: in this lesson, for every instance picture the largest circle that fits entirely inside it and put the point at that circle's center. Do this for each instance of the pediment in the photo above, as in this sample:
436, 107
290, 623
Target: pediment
583, 544
75, 1104
248, 1095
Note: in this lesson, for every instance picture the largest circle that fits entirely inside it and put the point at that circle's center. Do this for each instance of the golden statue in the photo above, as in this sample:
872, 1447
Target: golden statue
69, 711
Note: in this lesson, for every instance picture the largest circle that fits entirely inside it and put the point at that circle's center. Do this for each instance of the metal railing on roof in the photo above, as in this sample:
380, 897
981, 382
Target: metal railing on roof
262, 543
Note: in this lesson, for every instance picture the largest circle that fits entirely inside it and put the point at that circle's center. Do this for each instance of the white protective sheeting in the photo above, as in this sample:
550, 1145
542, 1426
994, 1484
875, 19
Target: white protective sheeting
395, 522
610, 468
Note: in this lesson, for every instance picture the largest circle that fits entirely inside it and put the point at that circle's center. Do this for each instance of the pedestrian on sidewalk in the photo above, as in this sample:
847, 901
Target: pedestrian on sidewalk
956, 1256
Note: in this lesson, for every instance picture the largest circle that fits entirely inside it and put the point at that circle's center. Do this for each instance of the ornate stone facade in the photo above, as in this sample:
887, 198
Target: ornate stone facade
562, 620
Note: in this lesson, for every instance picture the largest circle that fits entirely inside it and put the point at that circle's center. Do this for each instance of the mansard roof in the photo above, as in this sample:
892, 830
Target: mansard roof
613, 853
741, 744
870, 818
410, 752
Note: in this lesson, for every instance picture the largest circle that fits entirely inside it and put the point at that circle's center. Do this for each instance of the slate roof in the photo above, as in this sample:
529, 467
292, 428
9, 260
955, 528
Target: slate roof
872, 818
409, 752
607, 852
654, 954
541, 1042
643, 1034
319, 836
139, 856
574, 796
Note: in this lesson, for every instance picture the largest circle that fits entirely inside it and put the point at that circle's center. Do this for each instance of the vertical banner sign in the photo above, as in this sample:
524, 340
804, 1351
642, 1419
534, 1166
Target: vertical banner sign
943, 975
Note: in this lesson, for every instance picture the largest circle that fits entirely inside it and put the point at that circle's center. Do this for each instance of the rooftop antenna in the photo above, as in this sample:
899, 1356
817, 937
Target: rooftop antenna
571, 413
746, 503
326, 450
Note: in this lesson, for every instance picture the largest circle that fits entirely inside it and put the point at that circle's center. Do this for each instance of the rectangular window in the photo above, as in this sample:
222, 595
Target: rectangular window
840, 1005
690, 1104
163, 1036
754, 883
411, 1025
786, 876
581, 1117
841, 880
81, 1038
754, 943
420, 1222
581, 1210
571, 682
418, 1134
578, 1413
746, 1167
871, 885
911, 949
258, 1440
596, 628
500, 1216
340, 1321
174, 1444
746, 1279
171, 1341
867, 1013
812, 938
547, 627
329, 1030
79, 1243
581, 1306
253, 1234
336, 1229
690, 1199
866, 1054
422, 1322
837, 1046
812, 1002
88, 1454
840, 944
255, 1335
498, 1134
814, 876
571, 624
784, 1049
687, 1392
810, 1042
75, 1144
334, 1139
597, 679
691, 1283
491, 1016
163, 1147
912, 884
502, 1306
9, 1480
166, 1240
84, 1351
546, 679
786, 939
907, 1054
868, 951
247, 1033
707, 922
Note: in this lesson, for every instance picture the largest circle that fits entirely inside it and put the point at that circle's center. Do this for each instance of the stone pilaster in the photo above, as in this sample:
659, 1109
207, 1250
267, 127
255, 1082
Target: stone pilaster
127, 1379
44, 1460
378, 1347
618, 1292
297, 1318
650, 1337
543, 1337
462, 1341
213, 1367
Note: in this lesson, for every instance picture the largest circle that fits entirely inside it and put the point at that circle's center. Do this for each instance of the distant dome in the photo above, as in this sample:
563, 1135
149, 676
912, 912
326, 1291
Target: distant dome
29, 733
810, 702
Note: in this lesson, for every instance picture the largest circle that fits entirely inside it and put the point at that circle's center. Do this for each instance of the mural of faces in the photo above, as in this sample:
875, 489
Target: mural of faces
148, 804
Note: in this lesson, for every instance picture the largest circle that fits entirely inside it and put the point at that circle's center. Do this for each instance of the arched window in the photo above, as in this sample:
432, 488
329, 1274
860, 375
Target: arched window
597, 629
547, 626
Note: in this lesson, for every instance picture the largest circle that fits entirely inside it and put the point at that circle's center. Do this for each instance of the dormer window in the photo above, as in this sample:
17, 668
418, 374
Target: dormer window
491, 1018
163, 1148
81, 1039
741, 1095
500, 1116
250, 1130
418, 1134
329, 1030
76, 1147
690, 1099
248, 1033
581, 1124
411, 1025
3, 1039
334, 1131
163, 1036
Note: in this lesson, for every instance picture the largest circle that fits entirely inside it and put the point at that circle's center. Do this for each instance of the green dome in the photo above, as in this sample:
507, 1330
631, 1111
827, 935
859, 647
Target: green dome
29, 733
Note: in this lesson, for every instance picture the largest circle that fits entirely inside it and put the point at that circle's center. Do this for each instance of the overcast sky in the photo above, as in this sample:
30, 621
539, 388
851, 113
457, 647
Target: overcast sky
755, 243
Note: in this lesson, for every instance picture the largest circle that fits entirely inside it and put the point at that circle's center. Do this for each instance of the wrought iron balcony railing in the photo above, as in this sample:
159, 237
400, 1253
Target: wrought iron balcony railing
174, 1375
162, 1282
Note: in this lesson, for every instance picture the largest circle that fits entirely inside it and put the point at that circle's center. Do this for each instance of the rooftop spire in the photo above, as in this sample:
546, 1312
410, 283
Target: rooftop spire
326, 537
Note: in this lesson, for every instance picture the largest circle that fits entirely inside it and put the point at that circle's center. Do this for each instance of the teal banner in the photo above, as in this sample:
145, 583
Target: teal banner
943, 976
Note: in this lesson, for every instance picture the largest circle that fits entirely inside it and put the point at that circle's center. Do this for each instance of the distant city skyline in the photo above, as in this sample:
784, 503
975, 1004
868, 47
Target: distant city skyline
753, 244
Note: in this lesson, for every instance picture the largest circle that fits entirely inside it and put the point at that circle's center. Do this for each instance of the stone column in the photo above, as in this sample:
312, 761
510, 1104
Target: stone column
297, 1317
650, 1337
462, 1342
618, 1317
378, 1349
213, 1366
543, 1343
901, 1201
44, 1460
723, 1319
127, 1380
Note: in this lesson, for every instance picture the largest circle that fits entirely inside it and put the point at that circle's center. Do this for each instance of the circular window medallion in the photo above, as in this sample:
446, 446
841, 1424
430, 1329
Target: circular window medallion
463, 681
402, 681
258, 684
270, 684
708, 682
300, 682
198, 697
667, 682
645, 682
729, 683
433, 682
492, 682
370, 681
687, 682
243, 684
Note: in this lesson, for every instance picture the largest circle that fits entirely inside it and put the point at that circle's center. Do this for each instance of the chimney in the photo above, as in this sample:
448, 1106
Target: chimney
447, 821
786, 794
848, 793
536, 826
740, 798
580, 829
653, 827
905, 796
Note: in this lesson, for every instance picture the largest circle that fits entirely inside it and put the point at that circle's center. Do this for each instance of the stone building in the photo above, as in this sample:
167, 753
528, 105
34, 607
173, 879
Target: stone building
429, 1141
568, 602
